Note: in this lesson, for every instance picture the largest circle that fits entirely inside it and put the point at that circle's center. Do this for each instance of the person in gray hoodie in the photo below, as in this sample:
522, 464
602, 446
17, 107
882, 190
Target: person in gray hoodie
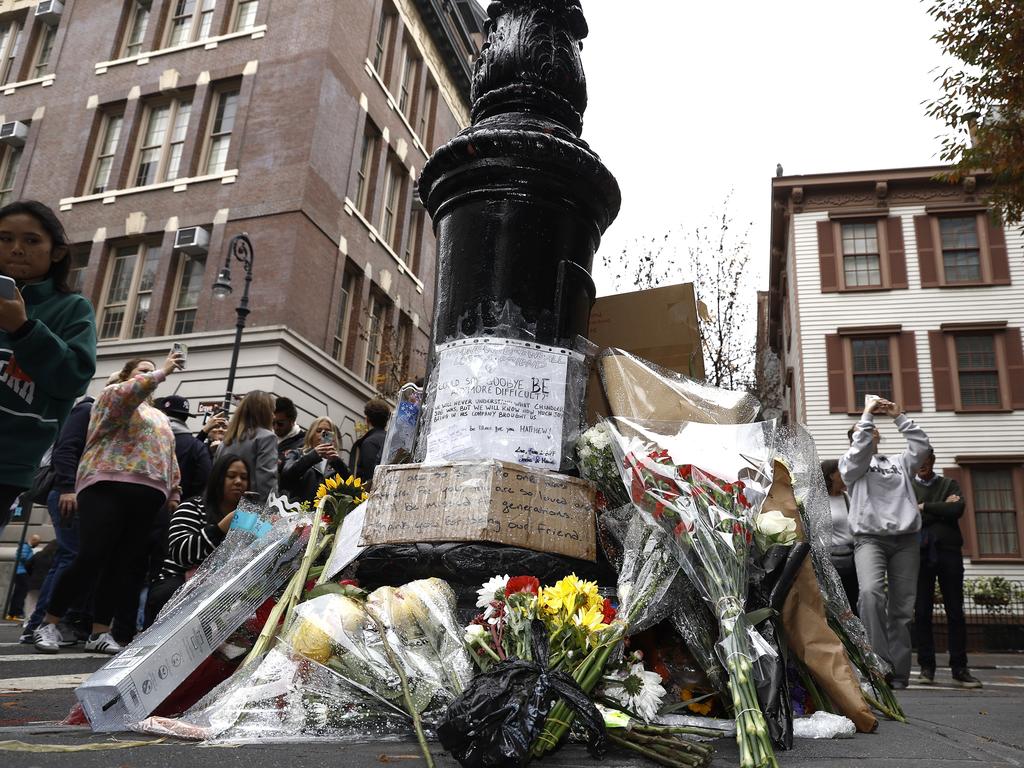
885, 521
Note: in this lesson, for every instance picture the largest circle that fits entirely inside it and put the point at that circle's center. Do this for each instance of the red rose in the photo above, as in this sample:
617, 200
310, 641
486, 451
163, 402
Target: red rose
608, 611
309, 585
727, 487
528, 584
659, 510
681, 528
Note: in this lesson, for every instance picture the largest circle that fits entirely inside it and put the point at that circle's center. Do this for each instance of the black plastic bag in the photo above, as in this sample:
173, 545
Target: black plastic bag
498, 717
771, 580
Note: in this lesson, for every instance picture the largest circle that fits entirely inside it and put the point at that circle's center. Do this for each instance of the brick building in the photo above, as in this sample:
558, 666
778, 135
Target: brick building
894, 283
162, 128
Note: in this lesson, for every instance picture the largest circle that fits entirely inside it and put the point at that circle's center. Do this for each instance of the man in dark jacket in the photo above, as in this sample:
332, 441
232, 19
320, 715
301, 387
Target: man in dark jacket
941, 558
367, 450
62, 505
193, 456
290, 438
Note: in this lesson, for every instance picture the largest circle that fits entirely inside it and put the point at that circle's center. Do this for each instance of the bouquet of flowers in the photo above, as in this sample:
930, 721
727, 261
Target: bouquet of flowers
711, 524
597, 464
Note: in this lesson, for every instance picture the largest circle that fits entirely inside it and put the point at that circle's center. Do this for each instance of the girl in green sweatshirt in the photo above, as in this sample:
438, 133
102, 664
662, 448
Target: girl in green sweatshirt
47, 342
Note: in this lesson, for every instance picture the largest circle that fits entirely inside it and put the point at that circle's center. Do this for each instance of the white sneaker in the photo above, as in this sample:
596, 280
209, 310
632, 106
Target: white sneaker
47, 638
67, 635
103, 643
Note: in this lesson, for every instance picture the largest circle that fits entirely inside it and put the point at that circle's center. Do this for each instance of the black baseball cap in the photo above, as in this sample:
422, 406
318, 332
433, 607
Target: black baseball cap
173, 405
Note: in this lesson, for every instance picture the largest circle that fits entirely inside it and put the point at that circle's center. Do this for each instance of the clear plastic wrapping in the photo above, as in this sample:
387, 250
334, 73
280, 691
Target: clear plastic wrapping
639, 389
332, 673
257, 556
400, 442
503, 398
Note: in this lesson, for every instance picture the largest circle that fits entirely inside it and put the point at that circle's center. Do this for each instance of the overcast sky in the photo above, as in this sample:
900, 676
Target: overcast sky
689, 100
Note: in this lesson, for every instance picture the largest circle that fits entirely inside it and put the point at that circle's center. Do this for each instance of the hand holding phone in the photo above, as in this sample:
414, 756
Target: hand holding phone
12, 306
181, 349
8, 288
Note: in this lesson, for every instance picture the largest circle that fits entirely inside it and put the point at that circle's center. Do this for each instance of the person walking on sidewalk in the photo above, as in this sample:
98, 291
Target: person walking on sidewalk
942, 559
885, 522
22, 564
127, 473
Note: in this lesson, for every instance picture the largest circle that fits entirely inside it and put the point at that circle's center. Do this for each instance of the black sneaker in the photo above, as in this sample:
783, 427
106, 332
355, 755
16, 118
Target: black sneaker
898, 684
964, 679
927, 676
27, 633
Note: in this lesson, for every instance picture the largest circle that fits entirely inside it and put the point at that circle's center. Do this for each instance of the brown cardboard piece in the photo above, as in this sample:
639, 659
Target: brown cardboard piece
804, 621
498, 502
658, 324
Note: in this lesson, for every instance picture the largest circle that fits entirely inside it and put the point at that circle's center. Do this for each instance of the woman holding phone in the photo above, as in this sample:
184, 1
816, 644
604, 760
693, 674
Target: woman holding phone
47, 342
249, 436
305, 469
127, 474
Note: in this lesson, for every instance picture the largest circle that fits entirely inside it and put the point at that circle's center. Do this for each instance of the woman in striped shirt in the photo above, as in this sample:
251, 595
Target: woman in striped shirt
197, 527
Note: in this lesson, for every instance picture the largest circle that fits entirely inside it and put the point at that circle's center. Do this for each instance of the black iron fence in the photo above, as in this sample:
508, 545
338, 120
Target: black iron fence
994, 613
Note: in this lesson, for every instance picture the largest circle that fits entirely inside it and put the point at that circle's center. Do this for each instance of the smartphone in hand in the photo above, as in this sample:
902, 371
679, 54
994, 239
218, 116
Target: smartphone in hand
8, 288
181, 350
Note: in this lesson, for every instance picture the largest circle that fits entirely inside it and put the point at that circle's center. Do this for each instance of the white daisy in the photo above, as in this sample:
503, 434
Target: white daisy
489, 591
637, 690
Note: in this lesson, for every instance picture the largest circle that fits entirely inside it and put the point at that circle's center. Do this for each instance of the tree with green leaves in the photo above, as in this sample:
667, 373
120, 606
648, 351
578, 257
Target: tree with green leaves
982, 101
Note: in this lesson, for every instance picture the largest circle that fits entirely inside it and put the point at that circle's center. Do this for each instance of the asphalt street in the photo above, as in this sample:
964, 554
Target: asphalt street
948, 728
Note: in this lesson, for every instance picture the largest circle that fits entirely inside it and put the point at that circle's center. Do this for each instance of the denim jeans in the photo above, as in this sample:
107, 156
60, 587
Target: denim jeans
948, 568
67, 549
887, 575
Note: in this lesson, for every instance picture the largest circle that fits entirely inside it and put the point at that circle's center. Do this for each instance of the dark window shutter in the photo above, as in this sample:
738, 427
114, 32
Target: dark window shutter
956, 473
942, 374
897, 252
827, 257
926, 252
1015, 368
998, 259
838, 401
910, 379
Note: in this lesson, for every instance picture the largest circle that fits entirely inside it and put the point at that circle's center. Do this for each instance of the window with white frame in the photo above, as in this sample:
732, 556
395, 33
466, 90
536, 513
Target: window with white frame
189, 287
131, 275
222, 126
995, 512
245, 15
374, 337
106, 149
364, 173
9, 173
407, 80
961, 250
135, 29
163, 140
10, 42
392, 198
190, 20
341, 327
382, 41
44, 49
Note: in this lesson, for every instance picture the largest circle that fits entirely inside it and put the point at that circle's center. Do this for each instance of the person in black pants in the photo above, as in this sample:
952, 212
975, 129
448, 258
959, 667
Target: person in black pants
942, 559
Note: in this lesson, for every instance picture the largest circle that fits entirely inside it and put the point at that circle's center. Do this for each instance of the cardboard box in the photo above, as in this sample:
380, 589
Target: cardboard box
498, 502
658, 324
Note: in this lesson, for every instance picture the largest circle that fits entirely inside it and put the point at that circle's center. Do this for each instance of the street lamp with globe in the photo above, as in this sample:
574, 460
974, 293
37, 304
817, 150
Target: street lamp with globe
240, 248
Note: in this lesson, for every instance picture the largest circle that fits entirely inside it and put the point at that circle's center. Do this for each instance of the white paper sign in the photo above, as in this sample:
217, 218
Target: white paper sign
346, 543
499, 399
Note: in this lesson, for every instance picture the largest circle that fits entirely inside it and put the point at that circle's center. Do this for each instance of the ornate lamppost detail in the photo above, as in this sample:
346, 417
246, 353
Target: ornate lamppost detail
518, 200
240, 249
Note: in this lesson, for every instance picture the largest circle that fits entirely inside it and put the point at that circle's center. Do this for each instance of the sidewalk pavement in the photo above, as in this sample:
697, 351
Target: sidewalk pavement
949, 728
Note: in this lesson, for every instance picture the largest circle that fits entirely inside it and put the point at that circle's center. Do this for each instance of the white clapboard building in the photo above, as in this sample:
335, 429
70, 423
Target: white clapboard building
897, 283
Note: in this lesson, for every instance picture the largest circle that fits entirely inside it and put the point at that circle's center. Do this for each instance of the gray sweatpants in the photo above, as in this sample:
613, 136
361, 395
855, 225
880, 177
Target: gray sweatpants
887, 575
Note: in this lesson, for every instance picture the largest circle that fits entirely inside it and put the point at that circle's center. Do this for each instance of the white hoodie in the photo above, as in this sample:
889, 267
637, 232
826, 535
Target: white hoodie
882, 500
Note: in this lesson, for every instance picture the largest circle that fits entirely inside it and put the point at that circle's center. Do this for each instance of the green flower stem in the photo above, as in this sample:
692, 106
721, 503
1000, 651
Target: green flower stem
680, 760
406, 694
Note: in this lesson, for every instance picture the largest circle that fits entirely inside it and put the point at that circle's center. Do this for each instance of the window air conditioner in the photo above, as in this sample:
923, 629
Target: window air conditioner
14, 133
49, 11
191, 240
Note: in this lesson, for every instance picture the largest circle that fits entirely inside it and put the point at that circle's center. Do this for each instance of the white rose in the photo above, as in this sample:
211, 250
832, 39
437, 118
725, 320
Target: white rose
475, 633
776, 527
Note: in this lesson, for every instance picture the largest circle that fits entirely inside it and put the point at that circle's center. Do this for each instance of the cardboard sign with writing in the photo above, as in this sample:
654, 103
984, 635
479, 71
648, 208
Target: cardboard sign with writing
499, 502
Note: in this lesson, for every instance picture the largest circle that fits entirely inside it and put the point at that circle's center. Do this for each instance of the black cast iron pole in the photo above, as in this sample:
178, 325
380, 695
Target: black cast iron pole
240, 248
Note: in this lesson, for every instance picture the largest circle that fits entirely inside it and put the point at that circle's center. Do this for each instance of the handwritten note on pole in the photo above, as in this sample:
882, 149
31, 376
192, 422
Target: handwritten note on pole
499, 399
499, 502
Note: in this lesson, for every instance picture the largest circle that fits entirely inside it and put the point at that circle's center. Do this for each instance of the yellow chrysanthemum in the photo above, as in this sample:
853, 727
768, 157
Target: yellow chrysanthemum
332, 483
589, 620
321, 492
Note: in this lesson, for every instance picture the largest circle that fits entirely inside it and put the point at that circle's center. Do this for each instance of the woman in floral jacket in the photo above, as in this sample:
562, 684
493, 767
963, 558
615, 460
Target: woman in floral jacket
128, 471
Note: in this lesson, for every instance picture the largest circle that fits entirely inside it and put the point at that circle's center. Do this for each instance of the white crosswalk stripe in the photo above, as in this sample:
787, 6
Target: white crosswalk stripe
42, 683
51, 657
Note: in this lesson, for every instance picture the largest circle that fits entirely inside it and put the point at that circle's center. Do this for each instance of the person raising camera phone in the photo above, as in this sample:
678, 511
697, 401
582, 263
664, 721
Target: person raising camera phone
885, 521
127, 474
305, 469
47, 342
